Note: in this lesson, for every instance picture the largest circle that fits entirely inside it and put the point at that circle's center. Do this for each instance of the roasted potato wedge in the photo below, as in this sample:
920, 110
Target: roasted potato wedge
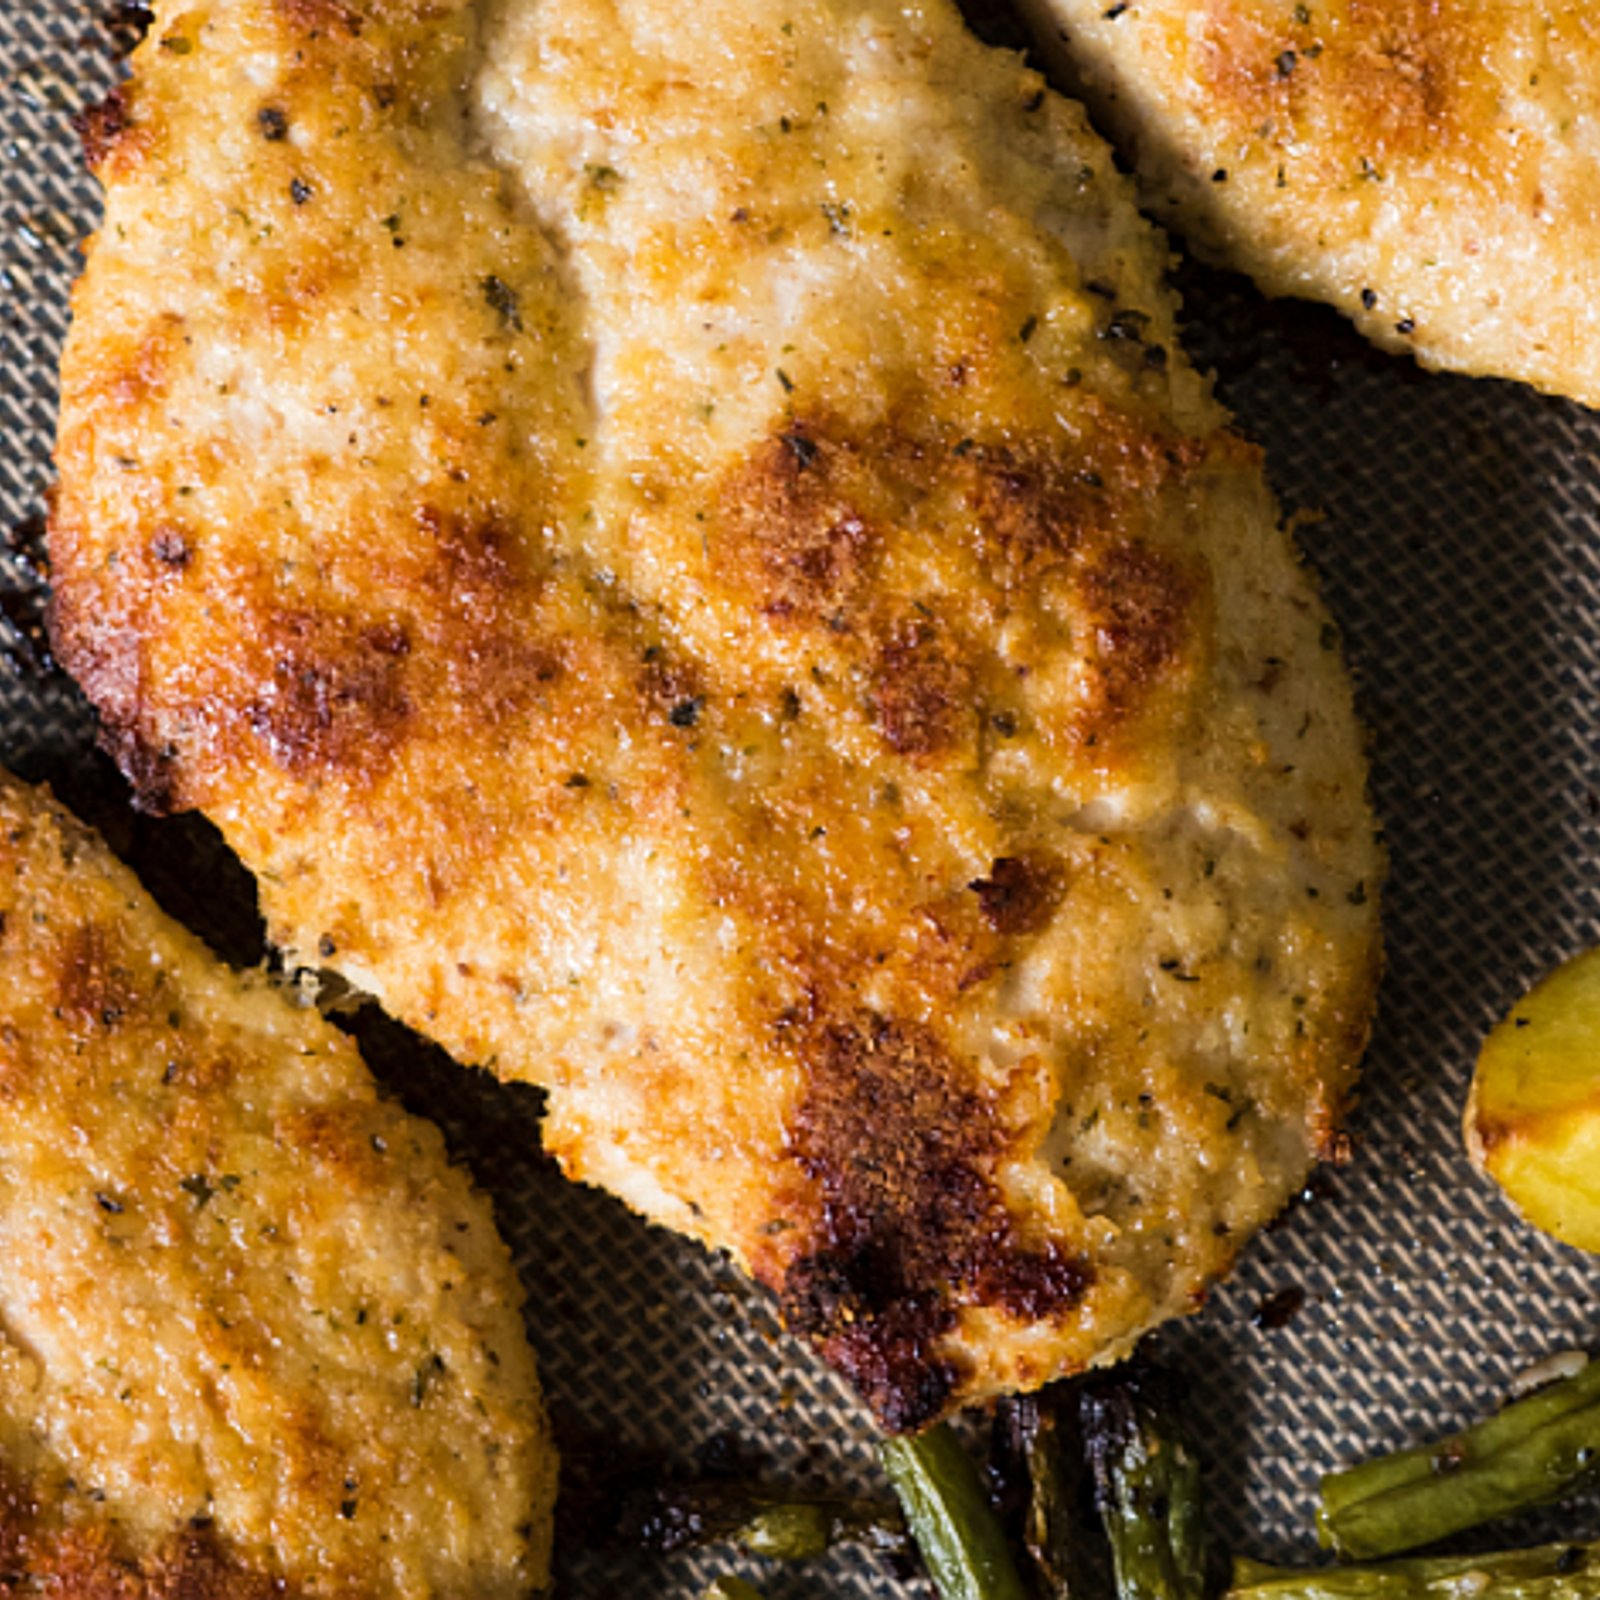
1533, 1116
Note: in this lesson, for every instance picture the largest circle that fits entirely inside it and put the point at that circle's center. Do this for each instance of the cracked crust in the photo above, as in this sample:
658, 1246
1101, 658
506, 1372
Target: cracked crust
690, 559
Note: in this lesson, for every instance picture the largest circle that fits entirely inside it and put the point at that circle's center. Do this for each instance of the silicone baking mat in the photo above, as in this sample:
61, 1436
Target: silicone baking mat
1456, 527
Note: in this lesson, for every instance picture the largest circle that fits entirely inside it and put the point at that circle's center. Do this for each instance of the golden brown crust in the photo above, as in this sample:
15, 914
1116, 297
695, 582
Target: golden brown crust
1020, 892
334, 700
920, 699
94, 993
790, 535
257, 1337
114, 137
1402, 70
86, 1563
912, 1223
719, 588
1428, 166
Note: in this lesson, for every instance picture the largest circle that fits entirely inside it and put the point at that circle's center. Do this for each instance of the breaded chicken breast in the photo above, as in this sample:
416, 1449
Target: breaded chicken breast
1430, 167
257, 1336
681, 549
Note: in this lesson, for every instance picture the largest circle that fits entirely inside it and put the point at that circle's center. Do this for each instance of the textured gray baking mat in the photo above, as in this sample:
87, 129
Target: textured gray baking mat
1456, 527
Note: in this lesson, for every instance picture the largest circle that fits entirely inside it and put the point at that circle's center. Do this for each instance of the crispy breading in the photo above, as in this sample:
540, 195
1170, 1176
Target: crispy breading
257, 1336
1430, 167
682, 550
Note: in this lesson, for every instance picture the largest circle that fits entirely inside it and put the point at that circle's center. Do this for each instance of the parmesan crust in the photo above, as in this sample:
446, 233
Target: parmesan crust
257, 1336
1430, 167
682, 550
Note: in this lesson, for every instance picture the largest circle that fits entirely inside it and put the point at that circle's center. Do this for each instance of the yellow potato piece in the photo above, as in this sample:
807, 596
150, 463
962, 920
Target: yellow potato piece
1533, 1116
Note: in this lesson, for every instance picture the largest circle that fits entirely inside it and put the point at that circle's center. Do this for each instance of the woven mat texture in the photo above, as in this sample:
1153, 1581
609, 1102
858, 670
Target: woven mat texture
1456, 528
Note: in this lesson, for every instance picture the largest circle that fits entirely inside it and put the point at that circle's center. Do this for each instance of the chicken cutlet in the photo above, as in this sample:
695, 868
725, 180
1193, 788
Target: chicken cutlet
257, 1336
682, 550
1430, 167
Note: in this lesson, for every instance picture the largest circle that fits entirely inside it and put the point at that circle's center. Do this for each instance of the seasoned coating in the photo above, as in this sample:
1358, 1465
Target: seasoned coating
1430, 167
257, 1336
681, 549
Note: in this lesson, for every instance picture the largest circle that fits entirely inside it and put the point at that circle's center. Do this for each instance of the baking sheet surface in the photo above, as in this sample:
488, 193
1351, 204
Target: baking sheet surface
1456, 527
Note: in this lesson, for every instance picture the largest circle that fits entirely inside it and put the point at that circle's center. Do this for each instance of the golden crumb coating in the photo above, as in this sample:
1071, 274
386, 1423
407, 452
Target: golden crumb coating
257, 1336
681, 549
1430, 167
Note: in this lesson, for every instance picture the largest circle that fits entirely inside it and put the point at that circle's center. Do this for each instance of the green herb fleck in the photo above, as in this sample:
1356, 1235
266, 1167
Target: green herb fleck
504, 301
